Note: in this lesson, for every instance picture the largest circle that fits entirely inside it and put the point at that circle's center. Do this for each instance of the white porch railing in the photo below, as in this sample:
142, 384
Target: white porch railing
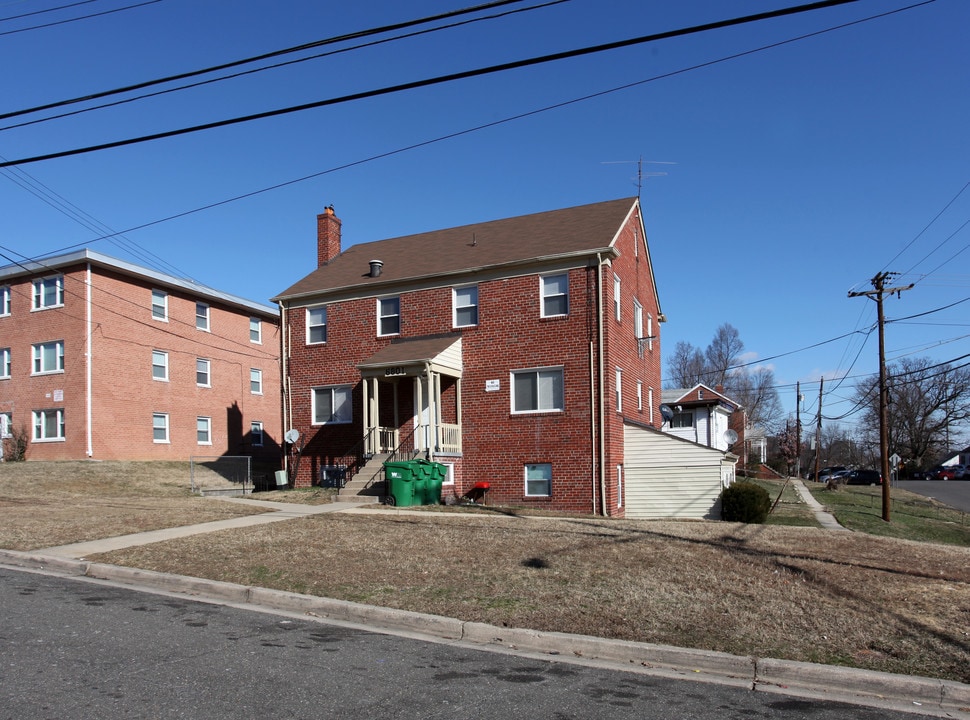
387, 439
449, 438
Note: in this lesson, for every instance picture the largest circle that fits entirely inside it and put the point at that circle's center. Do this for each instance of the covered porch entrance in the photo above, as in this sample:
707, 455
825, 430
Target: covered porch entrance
412, 397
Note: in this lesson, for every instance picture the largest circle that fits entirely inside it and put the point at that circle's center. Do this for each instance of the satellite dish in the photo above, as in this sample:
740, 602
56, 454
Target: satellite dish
291, 436
667, 413
730, 436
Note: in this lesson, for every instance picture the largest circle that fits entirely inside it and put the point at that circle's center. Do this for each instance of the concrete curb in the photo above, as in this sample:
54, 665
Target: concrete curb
926, 696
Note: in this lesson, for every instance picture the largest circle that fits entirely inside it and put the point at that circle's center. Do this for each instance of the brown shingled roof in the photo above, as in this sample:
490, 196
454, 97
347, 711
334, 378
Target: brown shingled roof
571, 231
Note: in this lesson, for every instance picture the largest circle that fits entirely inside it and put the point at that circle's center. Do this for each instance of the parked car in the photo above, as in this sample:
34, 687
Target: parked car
960, 472
863, 477
942, 473
827, 472
919, 475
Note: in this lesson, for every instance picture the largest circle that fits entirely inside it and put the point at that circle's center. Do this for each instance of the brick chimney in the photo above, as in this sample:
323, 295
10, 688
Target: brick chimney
328, 236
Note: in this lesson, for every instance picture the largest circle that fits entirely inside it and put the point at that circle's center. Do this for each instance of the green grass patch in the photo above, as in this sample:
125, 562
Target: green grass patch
789, 509
911, 516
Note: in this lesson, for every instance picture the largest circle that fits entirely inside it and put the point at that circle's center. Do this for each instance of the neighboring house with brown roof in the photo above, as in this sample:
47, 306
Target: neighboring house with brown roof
704, 415
522, 352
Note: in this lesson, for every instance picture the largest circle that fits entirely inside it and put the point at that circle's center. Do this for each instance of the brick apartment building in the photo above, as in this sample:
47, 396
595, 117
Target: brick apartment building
522, 352
103, 359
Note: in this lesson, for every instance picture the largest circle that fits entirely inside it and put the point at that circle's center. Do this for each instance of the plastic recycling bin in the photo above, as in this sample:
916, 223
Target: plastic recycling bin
432, 476
400, 483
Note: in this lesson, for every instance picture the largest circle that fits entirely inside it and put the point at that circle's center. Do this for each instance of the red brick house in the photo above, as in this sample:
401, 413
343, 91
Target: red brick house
514, 351
104, 359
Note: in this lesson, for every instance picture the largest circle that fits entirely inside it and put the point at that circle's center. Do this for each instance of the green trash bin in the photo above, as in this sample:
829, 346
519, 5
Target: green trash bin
432, 475
400, 483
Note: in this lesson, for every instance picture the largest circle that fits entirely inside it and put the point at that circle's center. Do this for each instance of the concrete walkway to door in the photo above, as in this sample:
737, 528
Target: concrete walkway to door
824, 518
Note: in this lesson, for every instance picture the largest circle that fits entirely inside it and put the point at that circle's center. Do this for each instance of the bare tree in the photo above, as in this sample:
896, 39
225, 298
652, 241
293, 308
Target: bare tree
756, 392
686, 367
722, 354
928, 404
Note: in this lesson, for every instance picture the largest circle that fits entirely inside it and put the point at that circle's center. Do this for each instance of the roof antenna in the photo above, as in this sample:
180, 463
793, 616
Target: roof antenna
640, 174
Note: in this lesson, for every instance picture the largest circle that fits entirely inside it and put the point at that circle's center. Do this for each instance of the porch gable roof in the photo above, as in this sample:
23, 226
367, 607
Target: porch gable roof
433, 350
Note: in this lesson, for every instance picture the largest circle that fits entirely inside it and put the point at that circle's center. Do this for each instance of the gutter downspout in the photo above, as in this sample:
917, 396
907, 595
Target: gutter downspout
285, 389
592, 423
601, 379
87, 379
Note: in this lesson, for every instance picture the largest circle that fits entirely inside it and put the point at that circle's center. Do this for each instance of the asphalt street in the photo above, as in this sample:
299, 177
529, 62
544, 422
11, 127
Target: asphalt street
955, 493
76, 648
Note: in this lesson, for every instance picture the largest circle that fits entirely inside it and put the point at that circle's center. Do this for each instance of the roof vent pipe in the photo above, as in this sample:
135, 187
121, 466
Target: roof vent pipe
375, 267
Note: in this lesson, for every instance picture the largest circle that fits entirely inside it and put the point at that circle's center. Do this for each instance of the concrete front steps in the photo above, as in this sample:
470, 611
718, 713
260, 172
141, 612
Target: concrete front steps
366, 486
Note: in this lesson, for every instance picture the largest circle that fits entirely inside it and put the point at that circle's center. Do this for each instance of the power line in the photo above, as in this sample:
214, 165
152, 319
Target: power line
83, 17
48, 10
451, 77
246, 61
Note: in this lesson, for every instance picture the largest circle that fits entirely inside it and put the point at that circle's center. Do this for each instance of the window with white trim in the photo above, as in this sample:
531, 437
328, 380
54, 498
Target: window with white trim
617, 312
619, 390
48, 425
255, 381
538, 390
48, 292
538, 480
203, 372
159, 305
316, 325
159, 365
465, 306
650, 404
256, 433
4, 300
650, 332
256, 330
48, 357
5, 363
160, 427
638, 320
639, 394
682, 420
332, 405
6, 425
619, 486
555, 295
202, 316
389, 316
203, 430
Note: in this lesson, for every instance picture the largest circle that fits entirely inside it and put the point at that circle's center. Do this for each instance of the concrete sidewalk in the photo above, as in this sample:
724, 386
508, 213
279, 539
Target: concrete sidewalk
825, 519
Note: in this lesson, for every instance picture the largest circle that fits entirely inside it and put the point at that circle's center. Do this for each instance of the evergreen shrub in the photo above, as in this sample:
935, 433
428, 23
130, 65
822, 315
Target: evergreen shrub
745, 502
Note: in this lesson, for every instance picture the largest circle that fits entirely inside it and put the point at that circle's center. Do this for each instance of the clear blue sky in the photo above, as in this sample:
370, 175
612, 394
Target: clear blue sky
790, 176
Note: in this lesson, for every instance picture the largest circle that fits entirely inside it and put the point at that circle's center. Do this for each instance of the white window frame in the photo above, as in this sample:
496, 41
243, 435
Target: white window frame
6, 424
40, 290
256, 381
37, 358
530, 483
203, 430
619, 389
461, 301
203, 366
619, 486
382, 315
311, 325
160, 355
255, 331
39, 423
650, 404
678, 421
256, 431
6, 363
640, 395
345, 391
549, 373
160, 422
202, 316
617, 305
159, 305
5, 301
649, 332
546, 295
638, 321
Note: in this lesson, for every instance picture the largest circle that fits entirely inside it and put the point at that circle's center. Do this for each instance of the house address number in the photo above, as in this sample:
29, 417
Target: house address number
397, 370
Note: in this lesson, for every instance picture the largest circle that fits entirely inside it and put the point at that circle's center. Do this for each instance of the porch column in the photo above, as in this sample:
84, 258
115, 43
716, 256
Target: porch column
418, 407
365, 415
437, 412
376, 415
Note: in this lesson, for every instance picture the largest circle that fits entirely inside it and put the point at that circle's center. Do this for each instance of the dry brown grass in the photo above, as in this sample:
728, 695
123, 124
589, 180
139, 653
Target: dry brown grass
787, 592
54, 503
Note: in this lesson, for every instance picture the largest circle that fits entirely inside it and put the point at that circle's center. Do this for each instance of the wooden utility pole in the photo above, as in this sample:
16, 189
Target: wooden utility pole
877, 293
818, 428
